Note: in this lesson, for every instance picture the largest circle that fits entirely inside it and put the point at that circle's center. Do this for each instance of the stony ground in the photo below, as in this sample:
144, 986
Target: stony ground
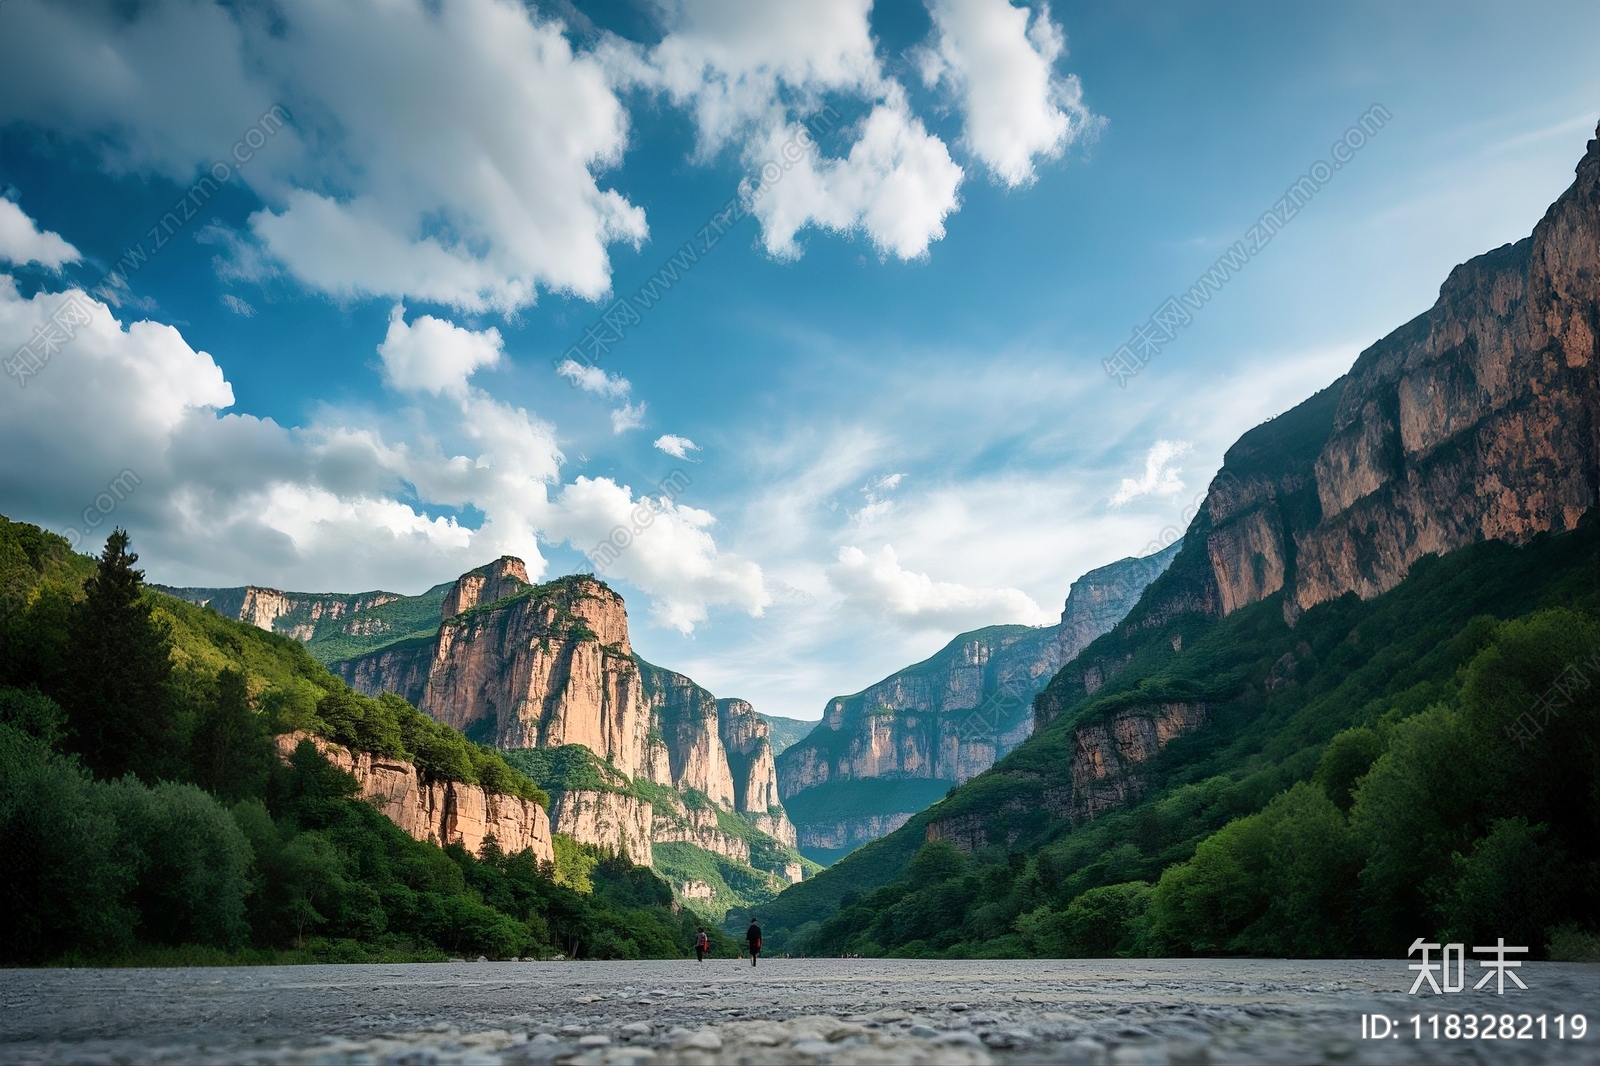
786, 1011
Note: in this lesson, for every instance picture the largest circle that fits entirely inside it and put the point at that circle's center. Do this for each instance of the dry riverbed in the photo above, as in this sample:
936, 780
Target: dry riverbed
785, 1011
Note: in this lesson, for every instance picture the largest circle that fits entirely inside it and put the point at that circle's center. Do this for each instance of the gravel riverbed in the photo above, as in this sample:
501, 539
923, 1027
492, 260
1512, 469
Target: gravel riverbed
784, 1011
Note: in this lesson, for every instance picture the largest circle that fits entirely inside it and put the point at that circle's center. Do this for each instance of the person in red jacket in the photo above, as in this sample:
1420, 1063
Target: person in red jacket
702, 944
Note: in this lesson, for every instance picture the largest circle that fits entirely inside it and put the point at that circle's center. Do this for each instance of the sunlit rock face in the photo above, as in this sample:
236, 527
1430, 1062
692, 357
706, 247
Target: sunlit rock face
440, 812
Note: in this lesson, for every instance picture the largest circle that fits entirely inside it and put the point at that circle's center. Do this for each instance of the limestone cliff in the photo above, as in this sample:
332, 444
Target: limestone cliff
504, 577
332, 625
1477, 420
551, 667
608, 818
441, 812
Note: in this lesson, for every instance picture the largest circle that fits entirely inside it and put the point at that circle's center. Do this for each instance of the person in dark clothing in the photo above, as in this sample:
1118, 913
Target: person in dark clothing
752, 936
702, 944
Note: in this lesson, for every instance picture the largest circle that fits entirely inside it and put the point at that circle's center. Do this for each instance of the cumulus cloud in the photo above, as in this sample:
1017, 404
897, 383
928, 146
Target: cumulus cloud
749, 70
657, 544
675, 446
21, 240
477, 192
879, 586
432, 355
224, 498
1160, 477
628, 416
998, 62
593, 379
896, 186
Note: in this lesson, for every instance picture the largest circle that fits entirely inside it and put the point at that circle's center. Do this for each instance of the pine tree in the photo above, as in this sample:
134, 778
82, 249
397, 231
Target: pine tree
117, 698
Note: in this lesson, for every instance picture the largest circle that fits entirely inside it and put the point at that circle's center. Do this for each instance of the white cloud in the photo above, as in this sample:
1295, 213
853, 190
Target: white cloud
675, 446
1000, 68
432, 355
897, 185
628, 416
662, 546
238, 306
1160, 477
223, 498
593, 379
439, 152
21, 240
750, 69
878, 502
879, 586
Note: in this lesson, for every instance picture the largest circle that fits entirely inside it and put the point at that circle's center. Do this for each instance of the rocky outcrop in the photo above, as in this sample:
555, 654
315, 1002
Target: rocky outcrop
548, 666
1100, 599
701, 827
613, 820
1108, 756
440, 812
850, 833
504, 577
746, 738
297, 615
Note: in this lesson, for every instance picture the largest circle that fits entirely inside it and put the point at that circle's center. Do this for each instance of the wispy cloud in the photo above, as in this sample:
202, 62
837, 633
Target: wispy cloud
1160, 477
628, 416
676, 446
593, 379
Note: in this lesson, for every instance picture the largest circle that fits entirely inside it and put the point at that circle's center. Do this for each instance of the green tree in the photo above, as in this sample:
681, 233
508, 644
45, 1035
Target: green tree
116, 690
230, 753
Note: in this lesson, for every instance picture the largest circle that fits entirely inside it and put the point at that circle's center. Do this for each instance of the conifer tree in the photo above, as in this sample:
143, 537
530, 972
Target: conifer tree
117, 698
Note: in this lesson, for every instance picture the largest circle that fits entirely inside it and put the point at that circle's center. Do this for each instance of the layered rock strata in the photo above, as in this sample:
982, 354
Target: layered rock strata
440, 812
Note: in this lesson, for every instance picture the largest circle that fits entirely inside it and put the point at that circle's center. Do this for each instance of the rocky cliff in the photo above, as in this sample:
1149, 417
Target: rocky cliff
611, 819
332, 625
551, 667
1478, 420
442, 812
952, 716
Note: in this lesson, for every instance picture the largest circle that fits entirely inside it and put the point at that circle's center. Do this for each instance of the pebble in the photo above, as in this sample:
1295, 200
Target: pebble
704, 1040
594, 1040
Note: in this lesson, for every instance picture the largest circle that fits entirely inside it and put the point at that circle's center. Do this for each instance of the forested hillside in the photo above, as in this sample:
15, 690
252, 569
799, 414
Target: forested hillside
146, 814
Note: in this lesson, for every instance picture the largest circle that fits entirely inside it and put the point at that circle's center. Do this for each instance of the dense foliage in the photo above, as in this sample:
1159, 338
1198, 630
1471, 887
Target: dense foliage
1364, 777
144, 808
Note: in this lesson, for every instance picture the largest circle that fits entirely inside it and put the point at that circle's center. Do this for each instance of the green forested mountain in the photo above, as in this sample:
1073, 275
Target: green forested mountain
146, 815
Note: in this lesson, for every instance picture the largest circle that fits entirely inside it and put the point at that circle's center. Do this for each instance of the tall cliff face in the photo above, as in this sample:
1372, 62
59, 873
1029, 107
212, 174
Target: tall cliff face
1477, 420
441, 812
550, 666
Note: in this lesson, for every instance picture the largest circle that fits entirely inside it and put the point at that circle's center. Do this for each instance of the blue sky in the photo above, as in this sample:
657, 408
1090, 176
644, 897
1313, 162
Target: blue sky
890, 369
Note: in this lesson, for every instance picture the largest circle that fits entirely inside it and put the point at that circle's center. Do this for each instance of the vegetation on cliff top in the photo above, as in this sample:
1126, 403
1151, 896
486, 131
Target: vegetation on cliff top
148, 818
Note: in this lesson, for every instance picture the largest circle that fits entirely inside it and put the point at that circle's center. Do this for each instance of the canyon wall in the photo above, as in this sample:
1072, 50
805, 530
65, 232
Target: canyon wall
519, 666
298, 615
441, 812
1477, 420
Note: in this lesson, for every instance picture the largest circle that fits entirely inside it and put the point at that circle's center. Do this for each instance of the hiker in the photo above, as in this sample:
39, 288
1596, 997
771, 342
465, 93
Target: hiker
753, 936
702, 944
